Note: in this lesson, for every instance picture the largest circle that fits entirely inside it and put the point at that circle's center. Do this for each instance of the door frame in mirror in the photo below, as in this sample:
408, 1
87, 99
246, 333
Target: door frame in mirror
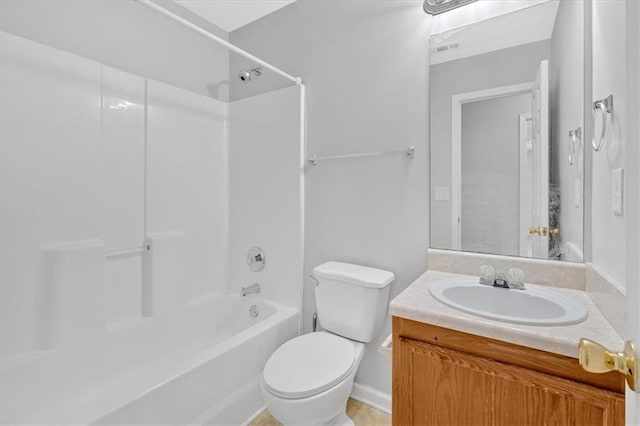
525, 245
457, 101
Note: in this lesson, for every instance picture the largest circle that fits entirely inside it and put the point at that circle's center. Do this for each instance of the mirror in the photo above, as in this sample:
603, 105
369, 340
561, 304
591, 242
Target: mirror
506, 120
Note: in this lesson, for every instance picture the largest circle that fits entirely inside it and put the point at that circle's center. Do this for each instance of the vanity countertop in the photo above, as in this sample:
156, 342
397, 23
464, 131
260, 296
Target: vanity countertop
416, 303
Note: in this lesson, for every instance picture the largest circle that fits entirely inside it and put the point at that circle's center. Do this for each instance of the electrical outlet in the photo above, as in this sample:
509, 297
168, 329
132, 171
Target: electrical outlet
617, 182
442, 193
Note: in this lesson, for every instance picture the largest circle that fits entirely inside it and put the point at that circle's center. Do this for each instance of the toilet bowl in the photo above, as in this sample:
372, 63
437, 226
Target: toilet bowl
308, 379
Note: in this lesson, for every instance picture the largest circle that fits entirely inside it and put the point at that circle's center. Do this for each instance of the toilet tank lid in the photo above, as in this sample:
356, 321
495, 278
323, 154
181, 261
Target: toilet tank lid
354, 274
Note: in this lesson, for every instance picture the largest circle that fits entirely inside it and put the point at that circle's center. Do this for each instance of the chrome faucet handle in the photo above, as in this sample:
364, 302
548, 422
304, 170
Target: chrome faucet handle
516, 279
487, 274
256, 259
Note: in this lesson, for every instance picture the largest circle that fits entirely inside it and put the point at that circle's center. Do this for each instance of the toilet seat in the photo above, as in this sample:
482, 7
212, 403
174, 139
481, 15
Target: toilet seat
308, 365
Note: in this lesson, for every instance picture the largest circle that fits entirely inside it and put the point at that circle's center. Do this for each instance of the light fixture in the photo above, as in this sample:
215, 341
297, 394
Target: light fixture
435, 7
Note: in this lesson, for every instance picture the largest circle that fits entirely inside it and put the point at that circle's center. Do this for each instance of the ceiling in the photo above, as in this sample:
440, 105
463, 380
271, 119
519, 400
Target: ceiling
233, 14
528, 25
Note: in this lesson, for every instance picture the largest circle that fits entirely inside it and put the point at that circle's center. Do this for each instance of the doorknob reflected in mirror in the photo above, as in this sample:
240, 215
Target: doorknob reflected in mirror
538, 230
543, 231
595, 358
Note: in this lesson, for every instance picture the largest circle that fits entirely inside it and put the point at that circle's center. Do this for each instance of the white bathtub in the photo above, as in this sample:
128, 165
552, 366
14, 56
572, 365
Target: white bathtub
201, 365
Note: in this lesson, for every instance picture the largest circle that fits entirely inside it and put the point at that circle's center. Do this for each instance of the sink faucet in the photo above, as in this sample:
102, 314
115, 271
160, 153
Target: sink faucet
500, 281
252, 289
488, 276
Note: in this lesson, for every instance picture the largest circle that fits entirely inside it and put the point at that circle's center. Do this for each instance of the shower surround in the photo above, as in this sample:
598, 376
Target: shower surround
128, 207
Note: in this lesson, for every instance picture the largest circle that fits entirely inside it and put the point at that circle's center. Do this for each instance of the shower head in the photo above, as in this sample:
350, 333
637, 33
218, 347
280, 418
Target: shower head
246, 76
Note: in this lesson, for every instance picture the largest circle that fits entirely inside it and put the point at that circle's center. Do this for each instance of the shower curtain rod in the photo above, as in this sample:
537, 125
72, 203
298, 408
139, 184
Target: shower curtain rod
236, 49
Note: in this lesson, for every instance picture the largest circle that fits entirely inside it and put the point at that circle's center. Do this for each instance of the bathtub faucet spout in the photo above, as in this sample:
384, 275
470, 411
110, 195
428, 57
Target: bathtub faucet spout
252, 289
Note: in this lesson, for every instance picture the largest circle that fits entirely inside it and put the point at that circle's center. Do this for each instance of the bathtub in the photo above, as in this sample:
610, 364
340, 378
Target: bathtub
201, 365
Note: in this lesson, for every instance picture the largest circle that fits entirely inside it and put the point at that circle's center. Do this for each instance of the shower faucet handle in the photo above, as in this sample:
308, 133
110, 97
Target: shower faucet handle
256, 259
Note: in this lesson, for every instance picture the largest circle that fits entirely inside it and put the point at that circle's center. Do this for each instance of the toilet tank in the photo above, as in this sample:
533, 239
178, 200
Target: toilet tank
352, 299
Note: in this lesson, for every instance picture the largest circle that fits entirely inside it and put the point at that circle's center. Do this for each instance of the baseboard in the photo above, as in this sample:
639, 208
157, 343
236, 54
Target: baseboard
372, 397
254, 416
365, 394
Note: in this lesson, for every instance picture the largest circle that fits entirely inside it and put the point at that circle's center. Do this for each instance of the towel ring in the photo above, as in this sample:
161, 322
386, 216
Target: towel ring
605, 106
574, 142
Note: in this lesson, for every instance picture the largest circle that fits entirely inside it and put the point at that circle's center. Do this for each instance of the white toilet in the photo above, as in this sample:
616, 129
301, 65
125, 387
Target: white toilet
308, 379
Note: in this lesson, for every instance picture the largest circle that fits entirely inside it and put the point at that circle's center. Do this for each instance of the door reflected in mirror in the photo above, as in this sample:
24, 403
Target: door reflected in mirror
507, 109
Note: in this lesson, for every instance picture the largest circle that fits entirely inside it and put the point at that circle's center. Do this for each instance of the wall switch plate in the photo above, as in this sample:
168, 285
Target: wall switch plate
617, 182
577, 199
442, 193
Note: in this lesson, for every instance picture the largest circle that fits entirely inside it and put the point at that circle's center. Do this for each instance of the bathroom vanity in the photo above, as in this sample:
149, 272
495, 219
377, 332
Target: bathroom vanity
445, 377
516, 122
454, 368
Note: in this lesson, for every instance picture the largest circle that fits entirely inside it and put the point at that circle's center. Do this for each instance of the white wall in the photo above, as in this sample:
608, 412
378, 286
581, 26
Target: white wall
77, 165
187, 182
94, 160
51, 151
266, 193
122, 142
499, 68
490, 174
609, 77
566, 84
129, 36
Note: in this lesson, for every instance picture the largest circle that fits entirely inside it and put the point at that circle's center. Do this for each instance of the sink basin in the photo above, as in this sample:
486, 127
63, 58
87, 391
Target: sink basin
536, 305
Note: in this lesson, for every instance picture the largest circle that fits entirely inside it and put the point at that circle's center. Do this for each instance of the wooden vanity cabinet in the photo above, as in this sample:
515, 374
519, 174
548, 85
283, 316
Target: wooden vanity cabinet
445, 377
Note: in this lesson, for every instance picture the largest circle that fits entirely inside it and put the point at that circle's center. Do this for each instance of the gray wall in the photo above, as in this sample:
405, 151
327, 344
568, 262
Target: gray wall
490, 174
566, 87
126, 35
500, 68
365, 67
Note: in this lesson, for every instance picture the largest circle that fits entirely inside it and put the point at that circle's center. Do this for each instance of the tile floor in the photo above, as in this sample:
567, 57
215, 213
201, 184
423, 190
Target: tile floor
361, 414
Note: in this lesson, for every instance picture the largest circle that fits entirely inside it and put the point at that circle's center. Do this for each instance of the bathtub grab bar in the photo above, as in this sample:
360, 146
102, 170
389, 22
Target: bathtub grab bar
114, 254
